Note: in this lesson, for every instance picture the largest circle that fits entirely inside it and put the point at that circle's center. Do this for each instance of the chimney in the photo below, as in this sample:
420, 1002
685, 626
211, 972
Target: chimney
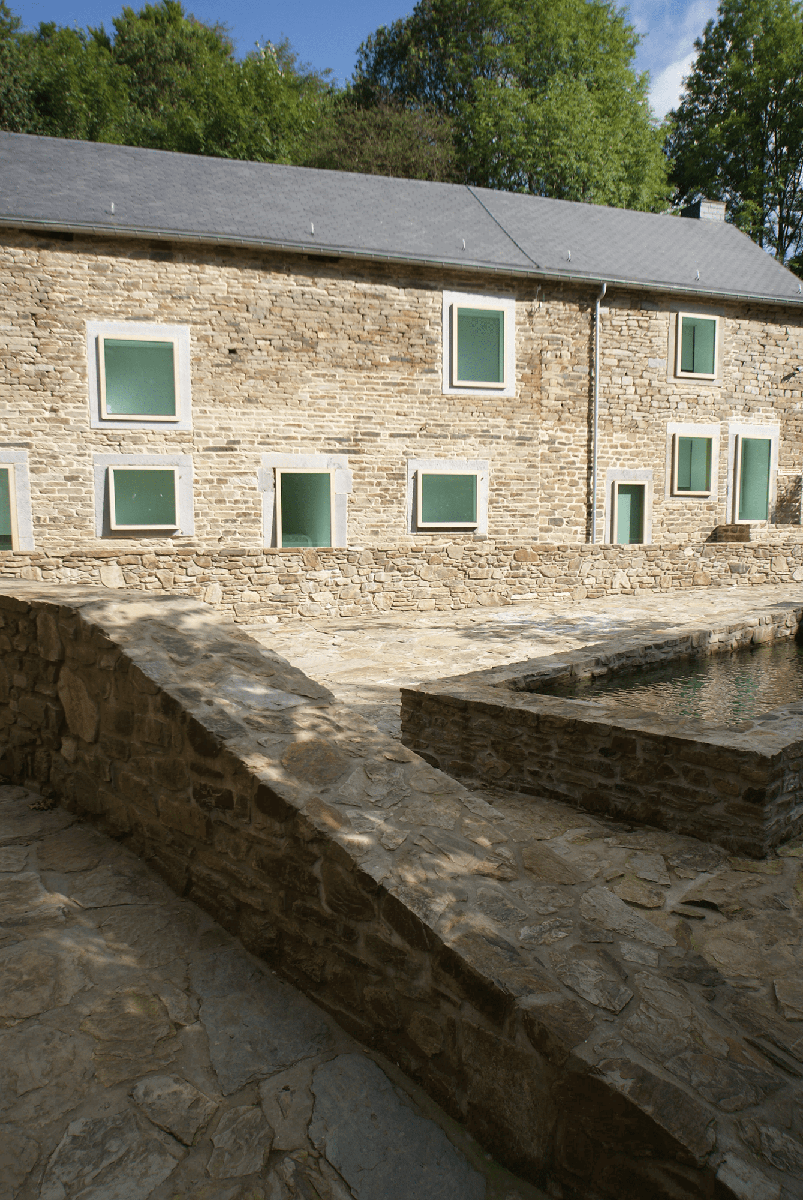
705, 210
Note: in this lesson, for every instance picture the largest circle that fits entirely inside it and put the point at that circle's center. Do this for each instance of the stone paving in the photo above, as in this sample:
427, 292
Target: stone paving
365, 662
144, 1053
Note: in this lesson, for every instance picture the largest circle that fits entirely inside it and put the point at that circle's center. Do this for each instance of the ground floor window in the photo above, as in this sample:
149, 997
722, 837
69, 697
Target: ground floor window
8, 509
629, 504
692, 474
304, 508
753, 463
143, 497
446, 500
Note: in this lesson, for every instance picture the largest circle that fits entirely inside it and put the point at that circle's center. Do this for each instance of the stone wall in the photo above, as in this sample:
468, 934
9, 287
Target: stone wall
264, 585
738, 787
293, 354
345, 861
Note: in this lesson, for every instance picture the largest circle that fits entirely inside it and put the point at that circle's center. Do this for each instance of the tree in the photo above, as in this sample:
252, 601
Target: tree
542, 94
384, 138
737, 134
161, 80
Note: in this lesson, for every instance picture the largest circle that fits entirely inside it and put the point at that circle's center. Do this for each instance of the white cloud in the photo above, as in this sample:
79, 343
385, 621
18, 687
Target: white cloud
667, 85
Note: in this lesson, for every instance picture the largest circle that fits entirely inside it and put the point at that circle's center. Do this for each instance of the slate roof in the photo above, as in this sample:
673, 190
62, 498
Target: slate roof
52, 183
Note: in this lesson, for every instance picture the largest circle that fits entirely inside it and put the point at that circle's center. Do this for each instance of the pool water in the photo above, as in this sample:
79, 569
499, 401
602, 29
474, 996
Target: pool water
723, 689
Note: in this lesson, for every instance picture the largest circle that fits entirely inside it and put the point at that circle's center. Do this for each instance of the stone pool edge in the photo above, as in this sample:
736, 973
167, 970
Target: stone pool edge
739, 787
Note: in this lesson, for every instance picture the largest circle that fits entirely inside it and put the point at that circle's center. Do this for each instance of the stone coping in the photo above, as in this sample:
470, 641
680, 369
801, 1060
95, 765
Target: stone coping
423, 917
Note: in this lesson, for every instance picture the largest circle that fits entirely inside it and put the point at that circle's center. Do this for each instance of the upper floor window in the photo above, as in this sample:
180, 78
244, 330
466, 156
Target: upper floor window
697, 346
478, 344
139, 375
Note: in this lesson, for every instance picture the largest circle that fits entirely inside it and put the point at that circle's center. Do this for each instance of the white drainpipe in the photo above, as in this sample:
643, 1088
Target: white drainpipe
596, 417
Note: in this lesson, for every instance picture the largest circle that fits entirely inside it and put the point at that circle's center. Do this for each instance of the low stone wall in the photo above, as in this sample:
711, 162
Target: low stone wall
376, 884
252, 585
739, 788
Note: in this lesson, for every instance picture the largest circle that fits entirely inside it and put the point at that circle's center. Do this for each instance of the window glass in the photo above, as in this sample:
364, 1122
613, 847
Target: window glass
754, 479
139, 378
694, 464
306, 508
6, 540
630, 513
480, 345
448, 499
698, 345
143, 499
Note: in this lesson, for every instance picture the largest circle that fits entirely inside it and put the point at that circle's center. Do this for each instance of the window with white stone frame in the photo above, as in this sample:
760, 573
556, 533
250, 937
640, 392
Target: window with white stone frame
305, 500
447, 494
139, 375
16, 521
692, 460
143, 495
479, 334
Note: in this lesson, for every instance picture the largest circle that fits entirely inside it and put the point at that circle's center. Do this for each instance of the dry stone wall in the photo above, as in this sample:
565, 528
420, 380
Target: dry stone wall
293, 354
252, 585
393, 897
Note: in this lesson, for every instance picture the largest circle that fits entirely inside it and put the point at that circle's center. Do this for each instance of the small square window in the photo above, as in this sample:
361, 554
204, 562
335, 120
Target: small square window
692, 466
446, 500
143, 498
8, 509
304, 508
697, 346
478, 347
629, 505
138, 379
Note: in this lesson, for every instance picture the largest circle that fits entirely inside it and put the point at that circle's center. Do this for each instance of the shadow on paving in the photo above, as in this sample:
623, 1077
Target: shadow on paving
144, 1053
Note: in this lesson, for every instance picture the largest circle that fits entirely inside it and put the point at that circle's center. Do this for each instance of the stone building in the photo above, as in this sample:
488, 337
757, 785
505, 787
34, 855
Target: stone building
321, 392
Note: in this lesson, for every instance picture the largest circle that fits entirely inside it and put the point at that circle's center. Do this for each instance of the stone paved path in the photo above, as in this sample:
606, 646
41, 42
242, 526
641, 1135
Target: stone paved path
365, 662
144, 1053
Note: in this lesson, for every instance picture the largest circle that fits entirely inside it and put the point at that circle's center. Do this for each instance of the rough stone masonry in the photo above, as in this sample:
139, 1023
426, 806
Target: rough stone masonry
591, 1042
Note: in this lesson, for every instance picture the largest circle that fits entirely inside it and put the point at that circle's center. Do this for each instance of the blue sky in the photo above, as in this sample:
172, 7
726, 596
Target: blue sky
326, 34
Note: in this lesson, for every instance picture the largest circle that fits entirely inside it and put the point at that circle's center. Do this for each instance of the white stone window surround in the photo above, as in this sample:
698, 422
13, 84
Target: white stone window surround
464, 466
628, 475
21, 499
184, 499
476, 300
343, 484
739, 429
179, 335
678, 429
691, 309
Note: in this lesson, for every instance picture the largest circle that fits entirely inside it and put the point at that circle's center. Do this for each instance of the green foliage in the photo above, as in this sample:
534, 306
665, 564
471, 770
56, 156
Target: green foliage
384, 138
162, 80
737, 134
541, 94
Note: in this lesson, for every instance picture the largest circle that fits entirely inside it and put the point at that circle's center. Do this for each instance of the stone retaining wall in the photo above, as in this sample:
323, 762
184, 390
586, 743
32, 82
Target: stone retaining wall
260, 585
362, 875
738, 787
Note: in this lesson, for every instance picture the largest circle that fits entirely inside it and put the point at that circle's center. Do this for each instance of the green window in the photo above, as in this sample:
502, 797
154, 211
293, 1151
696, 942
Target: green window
693, 467
698, 340
629, 513
6, 513
754, 478
479, 346
446, 499
138, 378
304, 515
142, 498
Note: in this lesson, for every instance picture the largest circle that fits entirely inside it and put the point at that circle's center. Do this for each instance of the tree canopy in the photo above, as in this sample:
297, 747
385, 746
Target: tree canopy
737, 134
542, 94
162, 80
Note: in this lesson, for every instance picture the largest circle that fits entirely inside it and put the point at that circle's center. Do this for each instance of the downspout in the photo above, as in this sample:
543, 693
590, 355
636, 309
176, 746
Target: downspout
594, 436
